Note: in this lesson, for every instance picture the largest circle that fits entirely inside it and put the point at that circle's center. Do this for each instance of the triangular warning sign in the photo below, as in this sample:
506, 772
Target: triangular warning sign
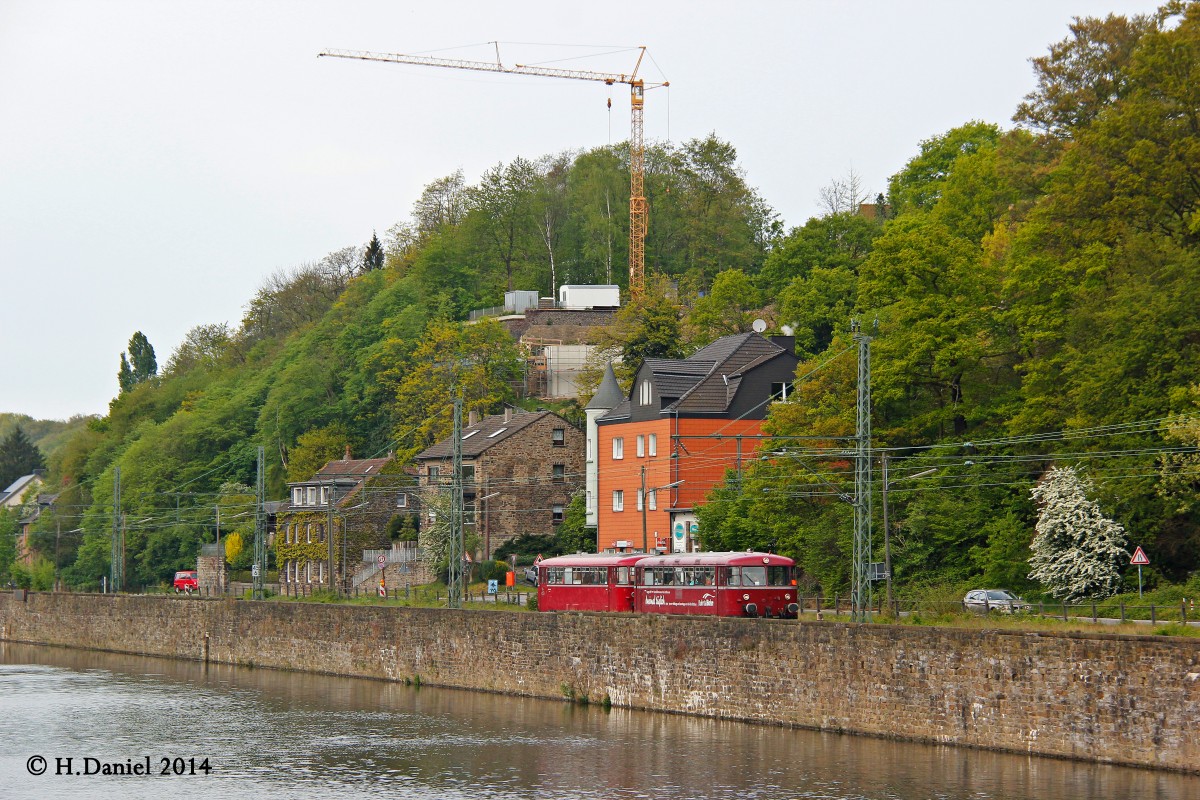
1139, 558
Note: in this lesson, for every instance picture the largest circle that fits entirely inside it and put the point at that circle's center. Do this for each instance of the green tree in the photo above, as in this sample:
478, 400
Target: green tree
920, 183
572, 535
1083, 74
315, 449
18, 456
728, 308
373, 255
140, 366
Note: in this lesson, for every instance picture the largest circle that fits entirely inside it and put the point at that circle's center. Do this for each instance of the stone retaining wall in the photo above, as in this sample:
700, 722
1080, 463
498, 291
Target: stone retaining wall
1099, 697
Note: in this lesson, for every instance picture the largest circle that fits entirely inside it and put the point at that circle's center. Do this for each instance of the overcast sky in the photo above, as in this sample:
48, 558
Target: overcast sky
158, 159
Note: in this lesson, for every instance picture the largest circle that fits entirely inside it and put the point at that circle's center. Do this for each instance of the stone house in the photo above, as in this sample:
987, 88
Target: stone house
520, 471
329, 520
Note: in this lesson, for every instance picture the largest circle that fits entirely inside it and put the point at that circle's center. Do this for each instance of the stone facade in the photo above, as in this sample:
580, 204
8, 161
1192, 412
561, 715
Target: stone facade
528, 466
1097, 697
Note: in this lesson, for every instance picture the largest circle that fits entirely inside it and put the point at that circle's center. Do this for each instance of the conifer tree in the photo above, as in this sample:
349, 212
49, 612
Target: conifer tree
373, 256
18, 456
1077, 551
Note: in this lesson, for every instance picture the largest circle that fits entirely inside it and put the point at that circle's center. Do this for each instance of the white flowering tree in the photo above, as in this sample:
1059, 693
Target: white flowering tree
1077, 551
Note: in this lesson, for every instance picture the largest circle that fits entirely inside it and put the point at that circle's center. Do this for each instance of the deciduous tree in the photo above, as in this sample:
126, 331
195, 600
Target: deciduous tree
1077, 551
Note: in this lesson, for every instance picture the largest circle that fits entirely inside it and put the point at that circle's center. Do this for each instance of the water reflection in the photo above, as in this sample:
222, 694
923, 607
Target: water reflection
302, 735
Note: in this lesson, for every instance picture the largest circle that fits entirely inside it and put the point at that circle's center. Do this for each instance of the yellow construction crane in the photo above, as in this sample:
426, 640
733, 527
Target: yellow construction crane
637, 149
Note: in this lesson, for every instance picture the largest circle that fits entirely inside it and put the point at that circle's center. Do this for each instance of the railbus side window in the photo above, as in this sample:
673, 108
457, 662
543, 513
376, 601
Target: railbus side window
733, 576
623, 576
779, 576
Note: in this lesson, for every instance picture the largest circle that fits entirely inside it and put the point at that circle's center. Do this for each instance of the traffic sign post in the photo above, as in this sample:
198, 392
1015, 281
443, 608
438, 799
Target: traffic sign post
1140, 559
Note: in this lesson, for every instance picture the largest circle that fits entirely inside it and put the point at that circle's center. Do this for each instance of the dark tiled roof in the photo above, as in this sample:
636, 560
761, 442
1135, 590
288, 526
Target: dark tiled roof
489, 431
355, 469
609, 394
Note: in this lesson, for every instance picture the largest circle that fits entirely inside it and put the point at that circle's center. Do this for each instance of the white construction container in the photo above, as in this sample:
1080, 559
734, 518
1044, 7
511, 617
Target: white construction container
580, 296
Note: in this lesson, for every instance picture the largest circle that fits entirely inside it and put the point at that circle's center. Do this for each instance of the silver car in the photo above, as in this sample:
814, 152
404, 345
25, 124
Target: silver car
981, 601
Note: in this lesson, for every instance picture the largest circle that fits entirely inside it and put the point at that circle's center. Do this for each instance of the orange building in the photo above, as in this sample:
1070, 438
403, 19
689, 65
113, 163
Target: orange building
663, 447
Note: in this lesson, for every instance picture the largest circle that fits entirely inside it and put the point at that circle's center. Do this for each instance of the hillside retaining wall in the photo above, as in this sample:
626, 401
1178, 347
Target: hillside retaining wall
1099, 697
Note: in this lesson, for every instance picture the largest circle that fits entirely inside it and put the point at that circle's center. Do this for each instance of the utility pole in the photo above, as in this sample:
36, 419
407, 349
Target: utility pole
887, 539
259, 569
455, 550
329, 531
860, 593
116, 569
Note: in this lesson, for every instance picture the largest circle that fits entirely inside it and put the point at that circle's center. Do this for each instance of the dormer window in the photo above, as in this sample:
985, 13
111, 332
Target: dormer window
310, 496
644, 393
781, 391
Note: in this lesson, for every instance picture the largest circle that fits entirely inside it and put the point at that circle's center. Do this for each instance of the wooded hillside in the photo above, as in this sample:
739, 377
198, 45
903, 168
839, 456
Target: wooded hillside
1032, 294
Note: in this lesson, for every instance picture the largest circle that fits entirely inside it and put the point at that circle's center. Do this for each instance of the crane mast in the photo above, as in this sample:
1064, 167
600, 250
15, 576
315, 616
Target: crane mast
638, 214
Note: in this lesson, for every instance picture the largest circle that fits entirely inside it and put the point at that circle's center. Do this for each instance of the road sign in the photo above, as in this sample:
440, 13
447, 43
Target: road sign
381, 561
254, 571
493, 586
1139, 557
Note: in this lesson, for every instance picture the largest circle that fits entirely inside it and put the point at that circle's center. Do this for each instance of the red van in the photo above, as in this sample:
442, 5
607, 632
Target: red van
185, 581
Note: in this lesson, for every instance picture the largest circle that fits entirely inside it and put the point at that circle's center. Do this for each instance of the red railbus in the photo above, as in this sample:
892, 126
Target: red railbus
717, 584
587, 582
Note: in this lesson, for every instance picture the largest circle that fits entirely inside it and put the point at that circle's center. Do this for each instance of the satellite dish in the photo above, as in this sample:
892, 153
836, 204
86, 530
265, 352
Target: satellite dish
788, 330
759, 325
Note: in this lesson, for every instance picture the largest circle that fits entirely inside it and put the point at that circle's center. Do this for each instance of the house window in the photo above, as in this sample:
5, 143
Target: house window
312, 496
558, 437
644, 393
591, 502
781, 391
558, 473
495, 433
652, 499
308, 532
324, 495
468, 473
320, 572
639, 500
652, 443
469, 434
402, 500
434, 473
591, 450
641, 445
556, 513
618, 500
618, 448
298, 496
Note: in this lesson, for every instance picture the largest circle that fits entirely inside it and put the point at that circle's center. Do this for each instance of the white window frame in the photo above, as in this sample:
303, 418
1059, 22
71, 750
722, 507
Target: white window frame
558, 512
640, 497
324, 496
645, 393
297, 495
618, 448
641, 445
652, 444
310, 496
652, 500
618, 500
402, 500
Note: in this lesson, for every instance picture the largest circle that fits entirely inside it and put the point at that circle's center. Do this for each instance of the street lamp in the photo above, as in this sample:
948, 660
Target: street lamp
887, 539
646, 502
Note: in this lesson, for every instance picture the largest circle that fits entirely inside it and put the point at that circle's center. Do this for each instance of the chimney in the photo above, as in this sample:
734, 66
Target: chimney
788, 343
508, 413
472, 417
347, 456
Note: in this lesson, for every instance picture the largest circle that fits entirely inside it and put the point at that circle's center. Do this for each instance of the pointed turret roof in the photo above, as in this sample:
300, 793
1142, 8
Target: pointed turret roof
609, 394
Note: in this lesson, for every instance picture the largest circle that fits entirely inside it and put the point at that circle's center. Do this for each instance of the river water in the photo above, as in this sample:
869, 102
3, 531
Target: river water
274, 734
